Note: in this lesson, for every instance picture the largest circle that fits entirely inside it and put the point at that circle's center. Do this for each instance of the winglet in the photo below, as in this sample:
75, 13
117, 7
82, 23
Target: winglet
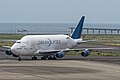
78, 30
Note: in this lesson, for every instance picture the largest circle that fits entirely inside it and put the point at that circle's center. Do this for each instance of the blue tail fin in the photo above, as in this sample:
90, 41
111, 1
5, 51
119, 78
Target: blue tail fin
78, 30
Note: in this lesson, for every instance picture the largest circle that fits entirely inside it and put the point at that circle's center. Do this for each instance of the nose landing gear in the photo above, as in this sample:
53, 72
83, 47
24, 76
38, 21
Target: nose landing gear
19, 59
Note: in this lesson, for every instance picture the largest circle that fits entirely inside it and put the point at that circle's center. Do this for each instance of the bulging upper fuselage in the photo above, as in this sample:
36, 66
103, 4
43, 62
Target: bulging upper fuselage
30, 44
49, 46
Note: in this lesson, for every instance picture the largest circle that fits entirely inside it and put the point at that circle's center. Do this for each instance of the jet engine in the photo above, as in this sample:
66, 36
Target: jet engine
85, 53
9, 52
60, 54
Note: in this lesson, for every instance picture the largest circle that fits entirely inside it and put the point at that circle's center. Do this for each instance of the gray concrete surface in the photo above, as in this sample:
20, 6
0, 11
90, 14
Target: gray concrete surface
58, 70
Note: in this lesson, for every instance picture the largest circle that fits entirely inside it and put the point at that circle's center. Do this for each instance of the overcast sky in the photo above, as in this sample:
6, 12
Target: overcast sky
96, 11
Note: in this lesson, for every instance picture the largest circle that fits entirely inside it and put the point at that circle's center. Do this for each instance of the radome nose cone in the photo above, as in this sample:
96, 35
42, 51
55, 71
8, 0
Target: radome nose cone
13, 49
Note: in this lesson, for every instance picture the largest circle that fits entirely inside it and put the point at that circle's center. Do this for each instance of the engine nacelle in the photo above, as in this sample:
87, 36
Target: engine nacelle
60, 54
85, 53
9, 52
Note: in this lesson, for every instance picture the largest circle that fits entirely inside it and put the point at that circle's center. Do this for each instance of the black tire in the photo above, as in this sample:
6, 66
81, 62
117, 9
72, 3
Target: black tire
15, 55
52, 58
19, 59
34, 58
43, 58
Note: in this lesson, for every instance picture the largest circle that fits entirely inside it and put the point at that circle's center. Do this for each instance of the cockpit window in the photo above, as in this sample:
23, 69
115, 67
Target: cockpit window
67, 37
18, 42
21, 41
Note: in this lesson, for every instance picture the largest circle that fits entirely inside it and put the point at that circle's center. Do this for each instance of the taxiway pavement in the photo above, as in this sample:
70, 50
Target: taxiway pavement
58, 70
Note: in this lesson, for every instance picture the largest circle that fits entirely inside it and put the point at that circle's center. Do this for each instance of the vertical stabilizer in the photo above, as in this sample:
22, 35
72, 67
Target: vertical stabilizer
78, 30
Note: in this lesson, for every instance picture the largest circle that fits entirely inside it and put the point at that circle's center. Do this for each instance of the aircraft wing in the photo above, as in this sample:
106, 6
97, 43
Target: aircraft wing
90, 49
67, 50
46, 51
84, 41
7, 47
1, 40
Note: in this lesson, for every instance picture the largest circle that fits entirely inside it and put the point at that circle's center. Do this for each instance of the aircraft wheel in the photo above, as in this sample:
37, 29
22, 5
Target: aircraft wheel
15, 55
19, 59
52, 58
49, 58
34, 58
43, 58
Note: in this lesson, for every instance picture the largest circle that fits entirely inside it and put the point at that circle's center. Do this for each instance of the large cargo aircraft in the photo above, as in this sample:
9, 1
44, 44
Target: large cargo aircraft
49, 46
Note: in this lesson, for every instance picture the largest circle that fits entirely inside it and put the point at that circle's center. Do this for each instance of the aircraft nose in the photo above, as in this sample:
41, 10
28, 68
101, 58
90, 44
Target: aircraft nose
13, 49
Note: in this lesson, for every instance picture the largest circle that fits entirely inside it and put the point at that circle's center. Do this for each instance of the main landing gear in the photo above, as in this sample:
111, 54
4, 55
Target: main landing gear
42, 58
34, 58
52, 58
48, 58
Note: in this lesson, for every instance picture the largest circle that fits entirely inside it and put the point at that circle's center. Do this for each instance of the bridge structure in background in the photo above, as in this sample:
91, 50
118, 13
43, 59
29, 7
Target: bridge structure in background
99, 30
69, 31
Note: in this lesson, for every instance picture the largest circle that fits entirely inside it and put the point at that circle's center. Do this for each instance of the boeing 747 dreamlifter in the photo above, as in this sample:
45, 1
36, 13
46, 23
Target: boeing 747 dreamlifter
49, 46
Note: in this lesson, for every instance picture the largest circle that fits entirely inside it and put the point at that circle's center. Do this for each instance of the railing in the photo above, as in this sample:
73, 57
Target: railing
99, 30
85, 31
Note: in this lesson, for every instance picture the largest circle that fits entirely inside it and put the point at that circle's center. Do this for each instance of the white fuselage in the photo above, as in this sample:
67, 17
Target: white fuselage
29, 45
